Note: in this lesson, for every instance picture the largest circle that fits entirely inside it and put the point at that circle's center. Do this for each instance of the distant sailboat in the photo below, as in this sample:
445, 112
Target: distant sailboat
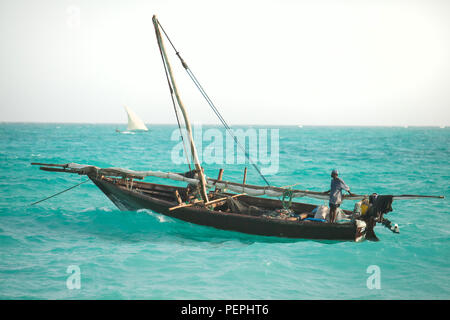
134, 122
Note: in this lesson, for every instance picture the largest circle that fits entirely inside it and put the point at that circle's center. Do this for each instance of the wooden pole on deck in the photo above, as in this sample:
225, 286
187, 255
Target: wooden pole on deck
245, 178
219, 178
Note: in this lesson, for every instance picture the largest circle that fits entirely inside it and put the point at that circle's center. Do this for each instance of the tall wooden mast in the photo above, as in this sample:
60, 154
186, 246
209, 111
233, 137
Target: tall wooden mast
183, 110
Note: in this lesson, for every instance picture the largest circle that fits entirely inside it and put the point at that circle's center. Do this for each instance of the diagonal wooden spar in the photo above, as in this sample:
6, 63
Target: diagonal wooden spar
183, 110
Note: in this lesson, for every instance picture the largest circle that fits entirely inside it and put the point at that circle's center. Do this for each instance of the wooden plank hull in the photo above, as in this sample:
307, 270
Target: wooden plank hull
129, 199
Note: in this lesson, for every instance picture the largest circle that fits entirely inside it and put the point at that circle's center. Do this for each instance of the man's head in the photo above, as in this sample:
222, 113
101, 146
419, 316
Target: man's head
334, 173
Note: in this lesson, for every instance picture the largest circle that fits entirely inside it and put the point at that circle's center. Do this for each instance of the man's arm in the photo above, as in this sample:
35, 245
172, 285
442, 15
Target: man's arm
346, 187
348, 190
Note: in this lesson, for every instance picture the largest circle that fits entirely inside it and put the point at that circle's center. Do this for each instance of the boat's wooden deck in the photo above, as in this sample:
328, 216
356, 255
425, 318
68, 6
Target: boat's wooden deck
171, 193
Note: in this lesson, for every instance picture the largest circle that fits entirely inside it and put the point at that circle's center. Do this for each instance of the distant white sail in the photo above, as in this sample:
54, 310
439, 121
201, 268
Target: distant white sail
134, 122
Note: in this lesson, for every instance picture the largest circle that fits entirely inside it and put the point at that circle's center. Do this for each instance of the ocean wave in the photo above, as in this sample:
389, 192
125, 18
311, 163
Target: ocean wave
146, 255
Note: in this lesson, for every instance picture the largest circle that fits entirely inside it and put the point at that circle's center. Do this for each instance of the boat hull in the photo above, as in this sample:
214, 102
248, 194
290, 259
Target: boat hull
127, 199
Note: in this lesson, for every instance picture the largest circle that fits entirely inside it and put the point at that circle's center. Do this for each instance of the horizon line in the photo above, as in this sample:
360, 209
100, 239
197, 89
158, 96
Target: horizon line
237, 124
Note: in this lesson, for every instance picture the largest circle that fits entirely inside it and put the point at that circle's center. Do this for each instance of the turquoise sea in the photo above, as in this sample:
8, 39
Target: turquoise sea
143, 255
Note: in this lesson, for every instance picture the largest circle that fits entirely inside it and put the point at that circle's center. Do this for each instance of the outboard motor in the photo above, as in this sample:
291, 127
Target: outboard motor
380, 205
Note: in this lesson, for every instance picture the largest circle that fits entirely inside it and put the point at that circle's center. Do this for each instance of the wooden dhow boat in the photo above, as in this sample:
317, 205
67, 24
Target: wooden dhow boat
223, 204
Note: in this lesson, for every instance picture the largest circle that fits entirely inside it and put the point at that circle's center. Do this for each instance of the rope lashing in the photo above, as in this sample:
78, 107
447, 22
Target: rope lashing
287, 194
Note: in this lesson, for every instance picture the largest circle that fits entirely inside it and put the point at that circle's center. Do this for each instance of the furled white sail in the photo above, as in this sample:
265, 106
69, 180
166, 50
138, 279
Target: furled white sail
251, 190
134, 122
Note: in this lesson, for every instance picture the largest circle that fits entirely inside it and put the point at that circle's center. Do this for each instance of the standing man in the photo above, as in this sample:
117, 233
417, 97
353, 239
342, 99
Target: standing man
337, 185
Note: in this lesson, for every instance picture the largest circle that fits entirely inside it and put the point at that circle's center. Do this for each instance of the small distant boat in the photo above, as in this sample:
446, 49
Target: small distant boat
300, 126
134, 122
442, 127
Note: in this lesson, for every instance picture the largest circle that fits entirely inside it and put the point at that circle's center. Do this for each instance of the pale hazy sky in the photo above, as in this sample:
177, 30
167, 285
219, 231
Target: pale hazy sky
262, 62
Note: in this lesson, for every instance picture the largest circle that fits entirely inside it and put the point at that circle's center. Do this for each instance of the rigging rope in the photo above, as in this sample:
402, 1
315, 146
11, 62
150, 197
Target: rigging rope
213, 107
174, 105
181, 136
59, 193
